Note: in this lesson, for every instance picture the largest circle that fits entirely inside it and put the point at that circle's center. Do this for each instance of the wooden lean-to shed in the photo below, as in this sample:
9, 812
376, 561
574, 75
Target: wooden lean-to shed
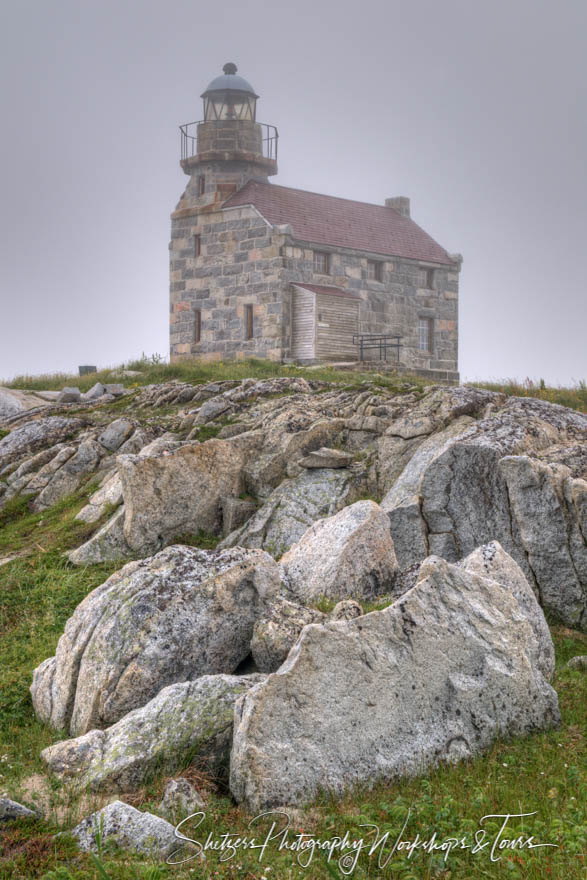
323, 323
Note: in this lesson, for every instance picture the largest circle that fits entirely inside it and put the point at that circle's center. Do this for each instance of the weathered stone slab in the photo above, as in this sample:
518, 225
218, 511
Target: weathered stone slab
69, 395
34, 435
349, 554
294, 506
191, 721
326, 458
128, 828
435, 677
171, 618
115, 434
171, 494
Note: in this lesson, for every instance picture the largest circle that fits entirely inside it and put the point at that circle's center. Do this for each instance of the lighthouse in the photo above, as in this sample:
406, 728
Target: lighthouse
228, 147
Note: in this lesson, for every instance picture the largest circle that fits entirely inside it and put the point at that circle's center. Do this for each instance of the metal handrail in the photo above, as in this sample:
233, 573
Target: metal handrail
369, 341
189, 138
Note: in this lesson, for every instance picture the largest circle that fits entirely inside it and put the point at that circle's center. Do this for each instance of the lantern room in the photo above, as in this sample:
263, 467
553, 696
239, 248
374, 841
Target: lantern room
229, 97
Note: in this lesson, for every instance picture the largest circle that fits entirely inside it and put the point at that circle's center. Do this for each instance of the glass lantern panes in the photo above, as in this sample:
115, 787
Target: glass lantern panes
229, 105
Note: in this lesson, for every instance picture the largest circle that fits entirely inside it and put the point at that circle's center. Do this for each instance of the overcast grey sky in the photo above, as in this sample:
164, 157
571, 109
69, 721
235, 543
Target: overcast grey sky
474, 109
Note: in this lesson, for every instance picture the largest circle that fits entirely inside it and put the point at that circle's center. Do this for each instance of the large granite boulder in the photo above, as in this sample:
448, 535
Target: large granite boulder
548, 511
435, 677
171, 618
348, 554
462, 488
491, 561
189, 722
178, 492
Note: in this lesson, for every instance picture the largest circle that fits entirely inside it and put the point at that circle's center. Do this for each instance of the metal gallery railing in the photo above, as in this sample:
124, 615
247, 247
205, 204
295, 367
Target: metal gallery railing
240, 139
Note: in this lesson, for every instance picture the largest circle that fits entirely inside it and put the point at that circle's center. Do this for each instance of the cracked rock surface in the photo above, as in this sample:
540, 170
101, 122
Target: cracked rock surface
435, 677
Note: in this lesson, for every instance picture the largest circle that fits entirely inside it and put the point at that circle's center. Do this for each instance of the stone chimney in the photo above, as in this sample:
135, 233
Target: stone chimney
401, 204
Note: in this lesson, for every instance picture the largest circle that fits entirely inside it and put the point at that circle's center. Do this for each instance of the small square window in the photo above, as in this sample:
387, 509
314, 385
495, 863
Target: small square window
248, 322
426, 278
425, 334
321, 261
197, 325
197, 245
374, 270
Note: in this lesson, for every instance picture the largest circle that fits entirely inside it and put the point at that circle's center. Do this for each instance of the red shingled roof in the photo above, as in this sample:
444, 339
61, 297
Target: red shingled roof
328, 220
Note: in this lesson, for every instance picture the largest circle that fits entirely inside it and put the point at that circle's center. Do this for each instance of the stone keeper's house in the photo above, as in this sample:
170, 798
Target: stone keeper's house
273, 272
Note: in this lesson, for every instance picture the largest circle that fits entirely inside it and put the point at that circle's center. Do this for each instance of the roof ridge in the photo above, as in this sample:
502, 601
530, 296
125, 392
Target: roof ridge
310, 192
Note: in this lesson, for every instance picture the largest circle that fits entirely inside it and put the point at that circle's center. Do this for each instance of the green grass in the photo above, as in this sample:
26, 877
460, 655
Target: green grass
196, 373
153, 370
202, 540
574, 397
544, 773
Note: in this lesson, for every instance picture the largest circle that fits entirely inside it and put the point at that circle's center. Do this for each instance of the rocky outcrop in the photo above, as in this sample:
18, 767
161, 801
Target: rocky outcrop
181, 491
14, 402
435, 677
465, 487
189, 722
33, 436
548, 512
68, 478
173, 617
128, 828
277, 631
349, 554
294, 506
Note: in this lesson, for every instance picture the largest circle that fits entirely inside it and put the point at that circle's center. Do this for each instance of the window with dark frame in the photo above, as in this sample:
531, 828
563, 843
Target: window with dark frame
197, 245
248, 322
427, 278
374, 270
197, 325
425, 334
201, 185
321, 262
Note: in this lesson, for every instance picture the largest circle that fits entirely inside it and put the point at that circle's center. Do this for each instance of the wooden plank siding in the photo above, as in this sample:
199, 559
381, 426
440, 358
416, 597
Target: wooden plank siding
303, 324
337, 320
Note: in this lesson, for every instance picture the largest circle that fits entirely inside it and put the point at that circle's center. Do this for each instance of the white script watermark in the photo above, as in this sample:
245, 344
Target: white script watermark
272, 831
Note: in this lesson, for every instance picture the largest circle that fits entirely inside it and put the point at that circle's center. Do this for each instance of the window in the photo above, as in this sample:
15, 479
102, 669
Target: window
248, 322
197, 245
425, 333
321, 262
201, 185
374, 269
197, 325
426, 278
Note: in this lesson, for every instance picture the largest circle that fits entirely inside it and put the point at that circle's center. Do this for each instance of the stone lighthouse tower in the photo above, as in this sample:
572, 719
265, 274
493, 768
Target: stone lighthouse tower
228, 147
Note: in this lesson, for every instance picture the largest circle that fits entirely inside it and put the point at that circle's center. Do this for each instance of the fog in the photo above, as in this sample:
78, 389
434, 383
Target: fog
474, 110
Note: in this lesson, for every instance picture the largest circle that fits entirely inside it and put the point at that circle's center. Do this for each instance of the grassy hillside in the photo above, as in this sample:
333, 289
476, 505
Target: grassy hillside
152, 371
545, 773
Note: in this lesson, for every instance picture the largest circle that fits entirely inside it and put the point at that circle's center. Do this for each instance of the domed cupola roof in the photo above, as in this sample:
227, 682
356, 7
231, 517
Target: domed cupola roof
229, 81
